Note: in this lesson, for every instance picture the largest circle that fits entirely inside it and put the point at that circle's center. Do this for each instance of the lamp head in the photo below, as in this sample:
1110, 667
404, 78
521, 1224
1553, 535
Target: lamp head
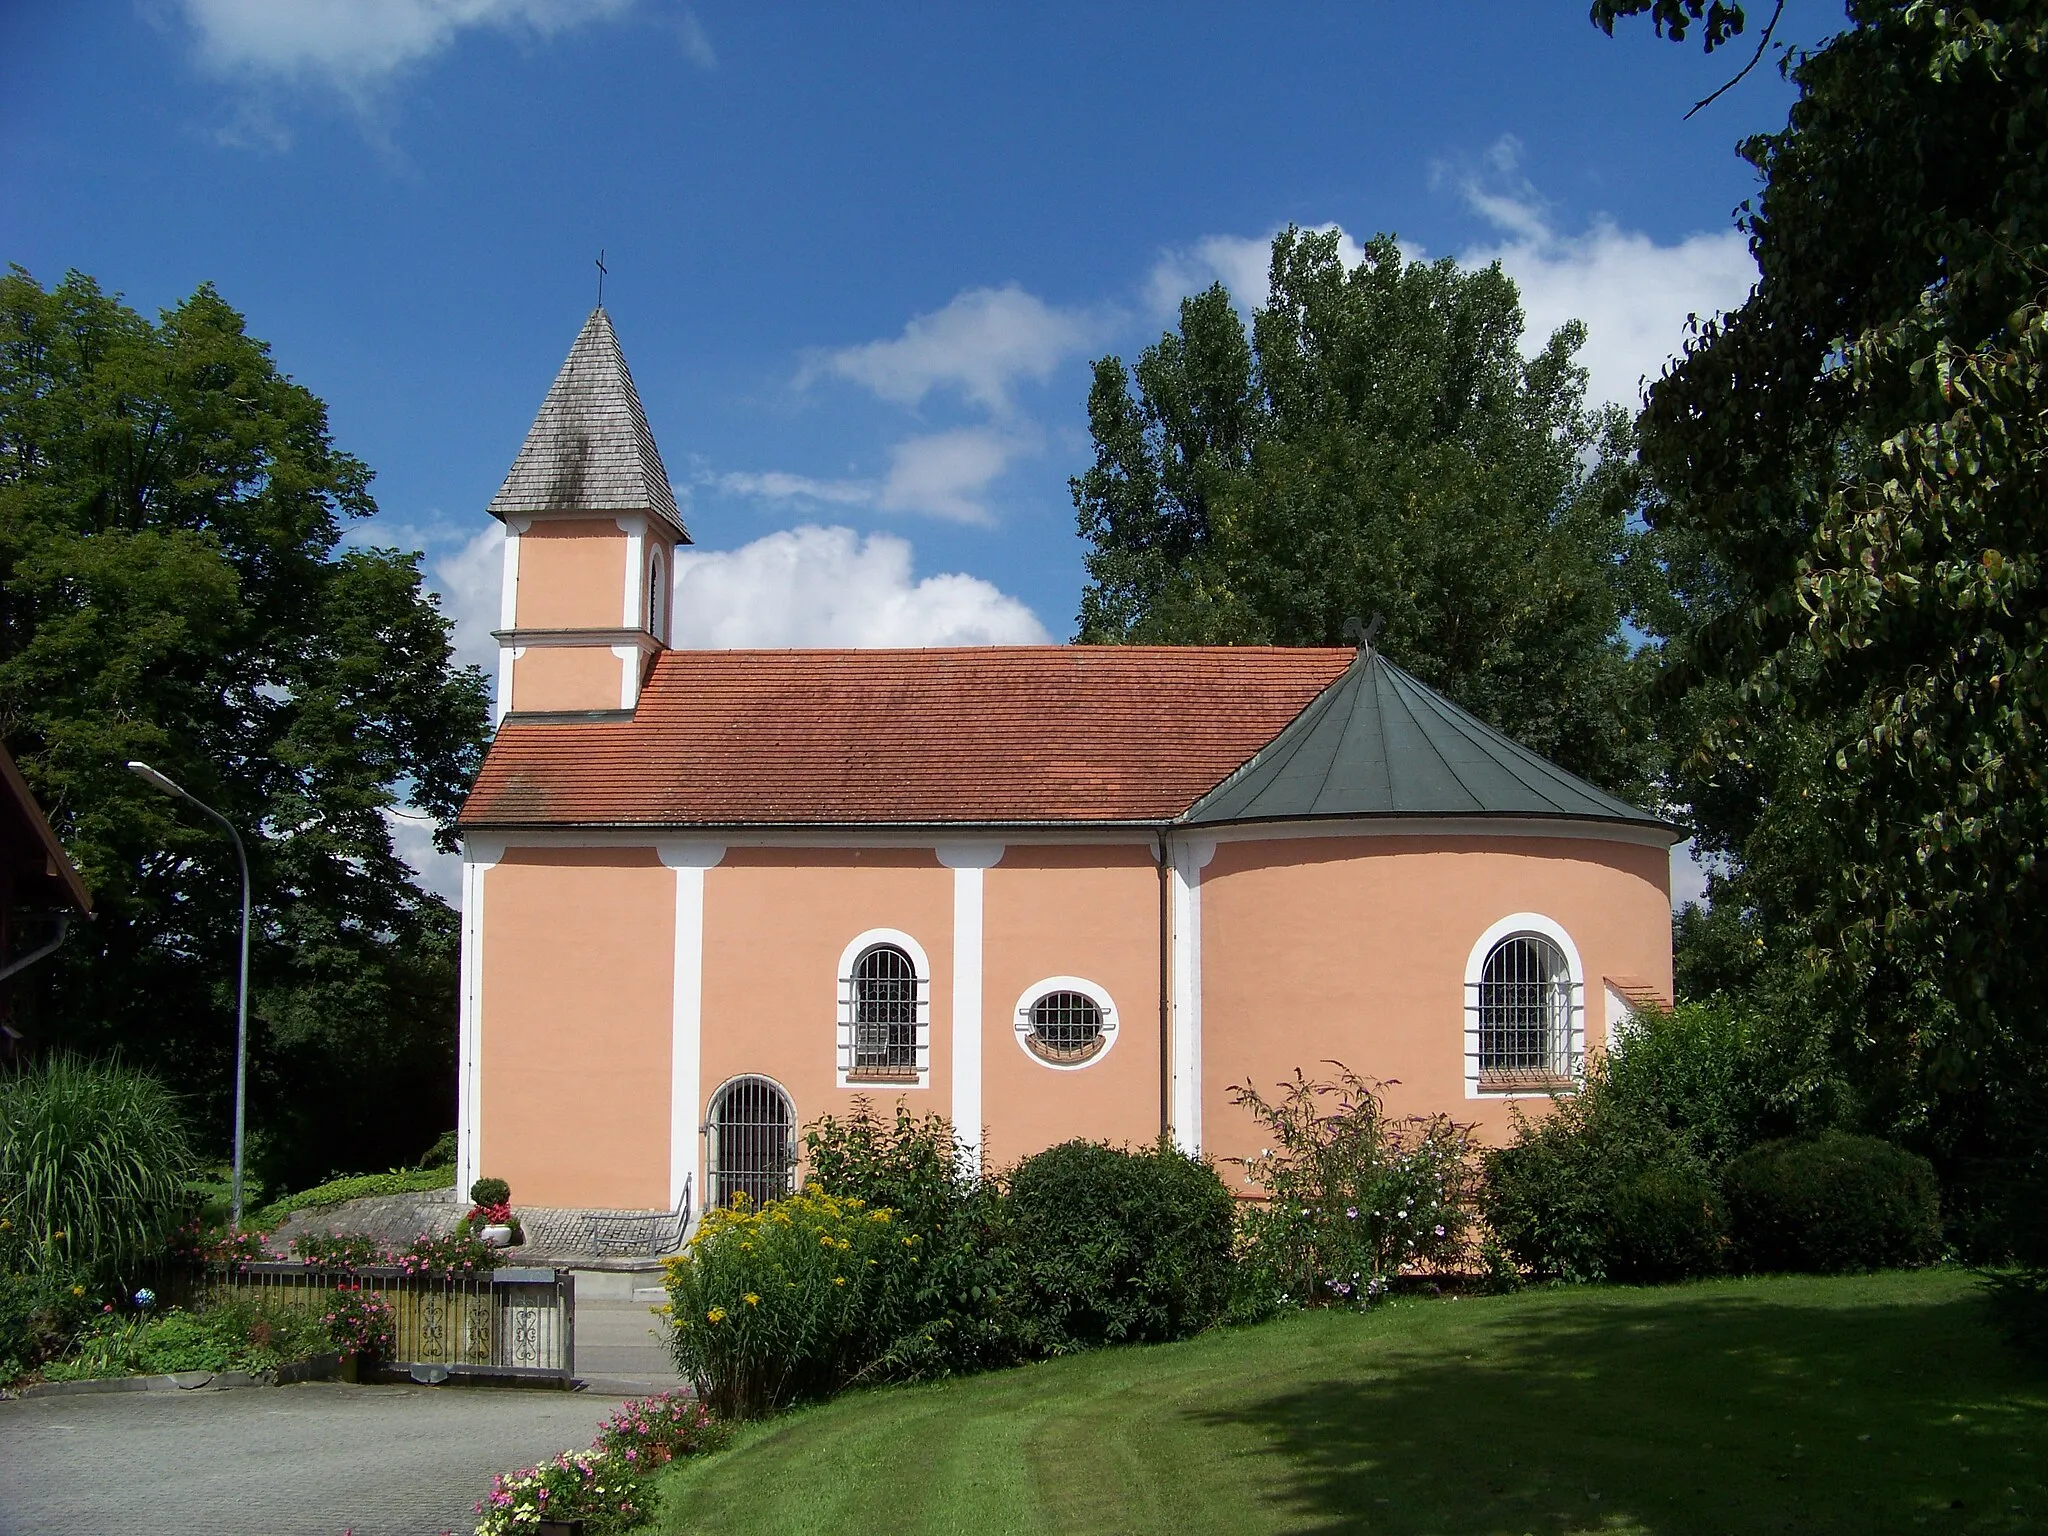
150, 776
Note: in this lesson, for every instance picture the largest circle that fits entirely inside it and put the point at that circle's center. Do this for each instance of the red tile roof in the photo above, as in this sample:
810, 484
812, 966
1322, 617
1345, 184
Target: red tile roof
974, 735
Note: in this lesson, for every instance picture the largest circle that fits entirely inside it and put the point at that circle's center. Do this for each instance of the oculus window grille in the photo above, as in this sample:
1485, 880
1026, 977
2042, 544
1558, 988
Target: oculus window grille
888, 1002
1526, 1011
753, 1143
1065, 1021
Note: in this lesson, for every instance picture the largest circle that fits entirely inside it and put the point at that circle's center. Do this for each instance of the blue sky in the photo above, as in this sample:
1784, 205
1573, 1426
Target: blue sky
860, 256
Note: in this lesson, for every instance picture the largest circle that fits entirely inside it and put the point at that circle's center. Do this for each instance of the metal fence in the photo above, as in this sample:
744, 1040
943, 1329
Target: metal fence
502, 1322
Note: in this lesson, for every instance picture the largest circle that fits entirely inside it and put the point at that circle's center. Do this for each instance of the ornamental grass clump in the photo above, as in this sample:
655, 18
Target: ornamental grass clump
794, 1300
590, 1490
94, 1167
1351, 1198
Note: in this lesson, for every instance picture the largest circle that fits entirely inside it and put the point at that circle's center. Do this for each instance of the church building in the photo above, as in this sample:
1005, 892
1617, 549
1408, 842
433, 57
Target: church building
1046, 891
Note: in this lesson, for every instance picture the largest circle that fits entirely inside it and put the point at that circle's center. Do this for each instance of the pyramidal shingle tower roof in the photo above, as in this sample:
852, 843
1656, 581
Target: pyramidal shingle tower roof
589, 449
1377, 742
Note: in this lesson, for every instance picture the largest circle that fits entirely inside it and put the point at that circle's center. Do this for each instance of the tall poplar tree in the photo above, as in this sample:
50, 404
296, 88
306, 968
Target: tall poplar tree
1379, 444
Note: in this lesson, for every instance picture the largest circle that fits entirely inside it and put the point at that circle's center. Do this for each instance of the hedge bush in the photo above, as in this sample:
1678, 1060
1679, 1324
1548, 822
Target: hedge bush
1119, 1247
1665, 1222
1833, 1203
354, 1186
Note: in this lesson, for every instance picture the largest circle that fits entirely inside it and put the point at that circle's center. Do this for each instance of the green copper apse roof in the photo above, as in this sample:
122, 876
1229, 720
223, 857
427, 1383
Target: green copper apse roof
1378, 743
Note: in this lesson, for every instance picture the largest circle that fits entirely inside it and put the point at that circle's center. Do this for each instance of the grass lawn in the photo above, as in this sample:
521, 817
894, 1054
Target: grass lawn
1870, 1404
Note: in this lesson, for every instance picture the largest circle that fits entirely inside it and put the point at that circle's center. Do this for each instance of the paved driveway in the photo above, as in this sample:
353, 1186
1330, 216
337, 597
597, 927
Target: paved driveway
319, 1458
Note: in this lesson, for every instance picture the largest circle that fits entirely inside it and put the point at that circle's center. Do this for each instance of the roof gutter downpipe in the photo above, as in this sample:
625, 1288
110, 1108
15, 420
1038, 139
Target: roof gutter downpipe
1165, 994
29, 959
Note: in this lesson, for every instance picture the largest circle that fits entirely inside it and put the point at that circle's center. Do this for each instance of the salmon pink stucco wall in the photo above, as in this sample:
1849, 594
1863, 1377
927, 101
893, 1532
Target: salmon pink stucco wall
1090, 913
567, 677
578, 965
572, 575
776, 923
1354, 949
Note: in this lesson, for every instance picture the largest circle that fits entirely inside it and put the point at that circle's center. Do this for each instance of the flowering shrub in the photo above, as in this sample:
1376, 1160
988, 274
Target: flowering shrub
1352, 1198
793, 1300
198, 1244
340, 1250
594, 1487
648, 1434
360, 1324
451, 1256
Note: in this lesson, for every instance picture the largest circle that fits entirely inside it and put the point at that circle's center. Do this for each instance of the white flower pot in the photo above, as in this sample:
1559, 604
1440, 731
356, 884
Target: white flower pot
498, 1237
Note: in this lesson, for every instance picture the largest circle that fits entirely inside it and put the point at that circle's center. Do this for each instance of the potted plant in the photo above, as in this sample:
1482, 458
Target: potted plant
360, 1324
490, 1215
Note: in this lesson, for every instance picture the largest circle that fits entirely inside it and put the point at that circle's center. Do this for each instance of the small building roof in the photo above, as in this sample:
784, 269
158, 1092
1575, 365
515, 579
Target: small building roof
589, 449
976, 736
1379, 743
39, 872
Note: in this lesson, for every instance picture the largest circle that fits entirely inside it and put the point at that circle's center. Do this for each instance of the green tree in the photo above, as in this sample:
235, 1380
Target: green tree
176, 586
1855, 457
1379, 444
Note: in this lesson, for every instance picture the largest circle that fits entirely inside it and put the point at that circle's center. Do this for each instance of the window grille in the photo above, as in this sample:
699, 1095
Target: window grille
885, 1014
1525, 1008
753, 1142
1066, 1027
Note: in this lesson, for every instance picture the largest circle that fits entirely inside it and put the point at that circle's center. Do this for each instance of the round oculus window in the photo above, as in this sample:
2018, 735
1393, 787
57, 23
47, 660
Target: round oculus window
1066, 1028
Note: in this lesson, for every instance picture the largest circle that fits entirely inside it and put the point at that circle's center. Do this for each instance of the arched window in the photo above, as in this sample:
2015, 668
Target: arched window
1527, 1013
1065, 1021
886, 1015
657, 599
753, 1142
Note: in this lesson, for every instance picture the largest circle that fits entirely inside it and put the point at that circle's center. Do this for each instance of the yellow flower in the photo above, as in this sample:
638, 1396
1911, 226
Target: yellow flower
752, 1300
715, 1315
881, 1216
839, 1279
825, 1241
78, 1290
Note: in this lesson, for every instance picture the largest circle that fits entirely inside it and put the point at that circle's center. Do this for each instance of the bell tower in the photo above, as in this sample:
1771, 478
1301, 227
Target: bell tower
591, 530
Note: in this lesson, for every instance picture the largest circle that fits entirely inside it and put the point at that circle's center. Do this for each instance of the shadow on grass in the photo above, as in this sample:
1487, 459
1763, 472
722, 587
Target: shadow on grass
1672, 1412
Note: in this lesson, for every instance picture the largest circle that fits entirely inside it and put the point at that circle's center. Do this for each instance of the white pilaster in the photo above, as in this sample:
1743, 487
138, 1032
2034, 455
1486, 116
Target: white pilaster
686, 1018
629, 674
1189, 860
478, 855
508, 613
635, 530
968, 861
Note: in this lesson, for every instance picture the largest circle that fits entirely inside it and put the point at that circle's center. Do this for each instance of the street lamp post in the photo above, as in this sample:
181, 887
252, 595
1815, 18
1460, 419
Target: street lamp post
149, 775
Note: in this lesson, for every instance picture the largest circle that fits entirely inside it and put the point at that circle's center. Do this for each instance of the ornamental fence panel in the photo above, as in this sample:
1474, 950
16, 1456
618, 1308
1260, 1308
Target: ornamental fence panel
515, 1322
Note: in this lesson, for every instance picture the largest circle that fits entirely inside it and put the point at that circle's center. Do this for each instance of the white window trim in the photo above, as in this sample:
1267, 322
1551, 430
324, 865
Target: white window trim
1475, 968
657, 596
1088, 989
922, 966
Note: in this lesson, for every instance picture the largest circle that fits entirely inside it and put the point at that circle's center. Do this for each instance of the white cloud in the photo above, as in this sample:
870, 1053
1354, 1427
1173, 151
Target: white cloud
355, 42
412, 839
1243, 265
814, 586
943, 474
1633, 293
982, 343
